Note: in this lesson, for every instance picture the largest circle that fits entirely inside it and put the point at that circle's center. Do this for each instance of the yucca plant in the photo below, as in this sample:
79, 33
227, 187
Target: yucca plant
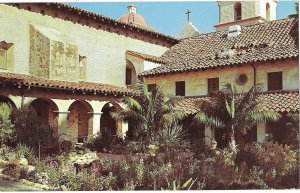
151, 112
235, 112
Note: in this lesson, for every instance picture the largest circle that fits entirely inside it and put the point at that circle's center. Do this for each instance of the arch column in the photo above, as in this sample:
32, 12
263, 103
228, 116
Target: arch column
261, 132
124, 128
63, 106
63, 124
96, 122
208, 135
97, 107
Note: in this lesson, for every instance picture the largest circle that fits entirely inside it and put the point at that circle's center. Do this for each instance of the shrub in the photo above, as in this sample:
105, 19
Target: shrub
276, 161
31, 131
286, 130
66, 146
101, 141
6, 126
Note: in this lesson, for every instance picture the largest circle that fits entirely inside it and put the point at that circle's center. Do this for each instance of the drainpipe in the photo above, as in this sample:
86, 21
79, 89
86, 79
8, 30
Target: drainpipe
254, 74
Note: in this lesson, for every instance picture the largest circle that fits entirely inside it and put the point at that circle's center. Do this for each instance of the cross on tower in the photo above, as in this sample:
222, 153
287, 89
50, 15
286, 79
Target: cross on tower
188, 13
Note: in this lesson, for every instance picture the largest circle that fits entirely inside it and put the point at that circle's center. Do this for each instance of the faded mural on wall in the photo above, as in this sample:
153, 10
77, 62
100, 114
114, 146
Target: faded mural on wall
52, 56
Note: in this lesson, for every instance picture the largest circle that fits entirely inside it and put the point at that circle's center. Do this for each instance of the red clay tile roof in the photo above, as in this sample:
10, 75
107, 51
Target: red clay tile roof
279, 101
256, 43
68, 9
147, 57
4, 45
33, 81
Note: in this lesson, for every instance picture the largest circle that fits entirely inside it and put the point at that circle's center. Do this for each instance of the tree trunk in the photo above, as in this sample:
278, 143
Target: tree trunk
232, 143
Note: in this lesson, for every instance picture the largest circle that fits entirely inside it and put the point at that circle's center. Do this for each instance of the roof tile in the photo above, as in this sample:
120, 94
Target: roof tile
257, 43
279, 101
28, 80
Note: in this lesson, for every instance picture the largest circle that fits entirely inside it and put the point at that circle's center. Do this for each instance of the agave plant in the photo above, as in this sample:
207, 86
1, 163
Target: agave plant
172, 136
235, 112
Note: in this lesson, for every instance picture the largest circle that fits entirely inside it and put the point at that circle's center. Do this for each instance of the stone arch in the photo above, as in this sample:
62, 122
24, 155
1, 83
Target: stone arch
7, 100
237, 11
46, 111
268, 11
131, 74
80, 121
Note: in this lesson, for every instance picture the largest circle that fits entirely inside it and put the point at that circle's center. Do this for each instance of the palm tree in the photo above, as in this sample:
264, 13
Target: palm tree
234, 112
150, 112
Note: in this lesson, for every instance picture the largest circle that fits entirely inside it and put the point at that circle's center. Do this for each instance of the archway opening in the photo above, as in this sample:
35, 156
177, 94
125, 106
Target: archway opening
80, 122
108, 125
130, 73
5, 99
46, 112
237, 11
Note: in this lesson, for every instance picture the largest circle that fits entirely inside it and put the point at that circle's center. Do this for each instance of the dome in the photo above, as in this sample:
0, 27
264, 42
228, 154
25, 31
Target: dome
133, 18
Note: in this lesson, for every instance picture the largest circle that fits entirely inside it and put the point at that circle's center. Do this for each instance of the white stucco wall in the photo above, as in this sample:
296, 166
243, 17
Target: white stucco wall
150, 65
105, 51
196, 82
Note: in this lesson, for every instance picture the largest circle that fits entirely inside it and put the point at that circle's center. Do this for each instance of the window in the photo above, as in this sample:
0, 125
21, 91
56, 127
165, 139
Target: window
3, 56
237, 11
275, 81
180, 88
151, 87
128, 76
212, 85
6, 55
268, 12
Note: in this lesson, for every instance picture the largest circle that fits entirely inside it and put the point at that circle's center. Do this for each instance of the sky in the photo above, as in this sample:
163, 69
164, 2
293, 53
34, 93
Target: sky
169, 17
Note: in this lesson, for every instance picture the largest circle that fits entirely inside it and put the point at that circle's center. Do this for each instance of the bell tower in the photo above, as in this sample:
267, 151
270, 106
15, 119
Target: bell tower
245, 13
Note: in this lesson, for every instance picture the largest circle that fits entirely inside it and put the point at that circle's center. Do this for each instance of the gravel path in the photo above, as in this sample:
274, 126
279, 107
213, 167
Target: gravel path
11, 186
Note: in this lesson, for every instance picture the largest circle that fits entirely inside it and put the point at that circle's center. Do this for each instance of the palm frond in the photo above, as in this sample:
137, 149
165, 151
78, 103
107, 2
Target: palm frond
203, 118
264, 116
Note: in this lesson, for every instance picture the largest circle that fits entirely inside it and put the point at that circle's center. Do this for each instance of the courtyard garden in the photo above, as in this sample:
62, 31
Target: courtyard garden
161, 150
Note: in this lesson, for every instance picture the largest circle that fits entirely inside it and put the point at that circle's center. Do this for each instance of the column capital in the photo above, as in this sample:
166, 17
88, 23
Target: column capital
61, 112
95, 113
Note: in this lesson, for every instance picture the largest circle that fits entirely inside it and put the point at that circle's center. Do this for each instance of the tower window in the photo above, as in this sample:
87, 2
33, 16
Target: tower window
237, 11
268, 12
275, 81
180, 88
